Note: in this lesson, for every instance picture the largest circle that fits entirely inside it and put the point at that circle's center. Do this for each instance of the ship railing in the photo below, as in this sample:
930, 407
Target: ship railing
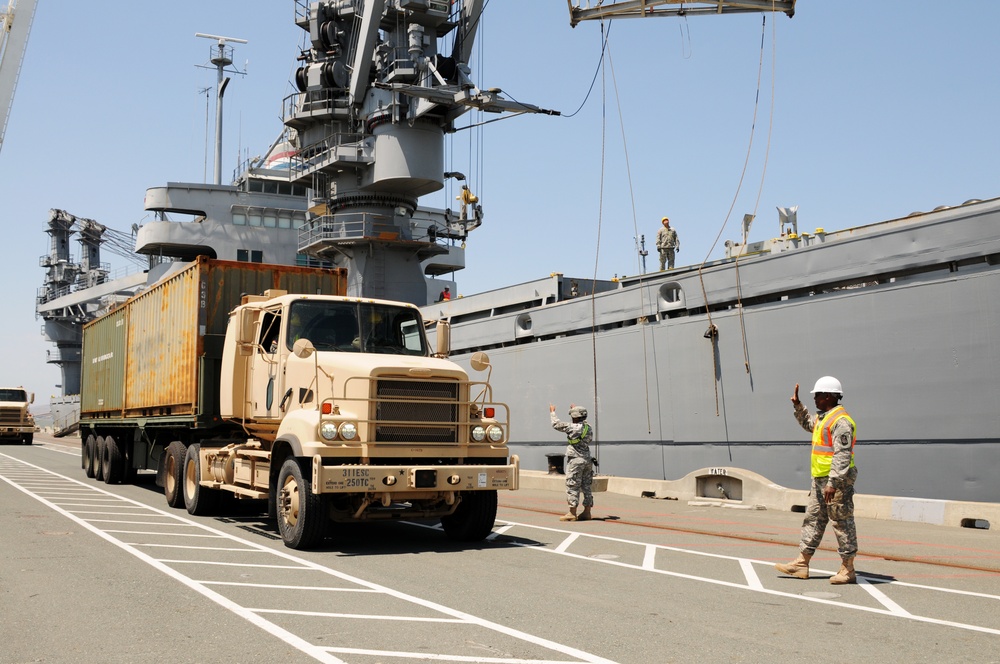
342, 147
347, 227
313, 104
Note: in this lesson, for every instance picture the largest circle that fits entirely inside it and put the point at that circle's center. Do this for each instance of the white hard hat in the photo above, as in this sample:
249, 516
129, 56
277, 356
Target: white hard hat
828, 384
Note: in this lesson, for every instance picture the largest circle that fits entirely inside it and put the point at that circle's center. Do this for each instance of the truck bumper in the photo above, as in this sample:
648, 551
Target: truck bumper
15, 431
410, 479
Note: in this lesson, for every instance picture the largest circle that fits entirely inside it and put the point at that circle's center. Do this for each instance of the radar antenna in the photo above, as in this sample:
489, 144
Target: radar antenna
222, 57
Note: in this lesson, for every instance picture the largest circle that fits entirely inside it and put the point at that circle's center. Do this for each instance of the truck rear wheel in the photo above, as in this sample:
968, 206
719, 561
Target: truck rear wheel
474, 517
173, 481
301, 519
114, 461
88, 451
198, 500
99, 459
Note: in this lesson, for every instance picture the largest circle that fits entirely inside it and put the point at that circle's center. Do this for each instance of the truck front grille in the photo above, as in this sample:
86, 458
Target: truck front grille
10, 416
416, 411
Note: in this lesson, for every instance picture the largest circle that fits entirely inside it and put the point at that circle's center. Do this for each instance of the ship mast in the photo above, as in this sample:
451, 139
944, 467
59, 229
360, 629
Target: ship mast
221, 58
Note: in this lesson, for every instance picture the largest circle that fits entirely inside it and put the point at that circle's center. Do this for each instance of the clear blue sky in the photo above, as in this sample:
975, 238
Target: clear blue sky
880, 109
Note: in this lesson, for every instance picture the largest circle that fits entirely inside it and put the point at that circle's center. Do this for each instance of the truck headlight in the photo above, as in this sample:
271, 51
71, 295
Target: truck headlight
495, 433
348, 430
478, 433
328, 430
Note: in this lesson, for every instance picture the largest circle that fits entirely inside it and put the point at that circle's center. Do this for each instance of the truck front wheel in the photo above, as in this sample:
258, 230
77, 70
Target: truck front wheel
198, 500
173, 481
300, 511
474, 517
27, 439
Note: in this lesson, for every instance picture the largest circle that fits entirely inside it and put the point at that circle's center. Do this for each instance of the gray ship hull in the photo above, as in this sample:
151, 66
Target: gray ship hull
905, 313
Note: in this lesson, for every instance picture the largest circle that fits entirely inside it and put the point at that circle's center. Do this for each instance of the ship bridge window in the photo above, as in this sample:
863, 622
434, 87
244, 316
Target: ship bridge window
239, 219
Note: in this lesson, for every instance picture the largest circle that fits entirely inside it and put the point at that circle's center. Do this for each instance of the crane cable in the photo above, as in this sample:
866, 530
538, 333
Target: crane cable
635, 229
712, 332
597, 248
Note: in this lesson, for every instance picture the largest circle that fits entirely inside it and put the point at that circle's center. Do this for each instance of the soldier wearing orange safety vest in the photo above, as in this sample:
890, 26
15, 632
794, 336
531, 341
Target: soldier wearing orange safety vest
831, 496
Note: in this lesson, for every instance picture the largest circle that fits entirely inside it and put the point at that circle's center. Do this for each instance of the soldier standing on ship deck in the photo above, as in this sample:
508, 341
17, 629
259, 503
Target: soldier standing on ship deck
579, 463
831, 497
668, 244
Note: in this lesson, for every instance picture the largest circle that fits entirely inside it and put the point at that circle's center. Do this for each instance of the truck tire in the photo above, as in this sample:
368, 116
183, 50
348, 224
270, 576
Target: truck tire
301, 519
474, 517
198, 500
99, 459
27, 439
173, 481
114, 461
89, 449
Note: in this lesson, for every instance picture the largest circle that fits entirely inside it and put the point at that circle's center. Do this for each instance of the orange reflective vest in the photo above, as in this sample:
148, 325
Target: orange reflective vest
822, 442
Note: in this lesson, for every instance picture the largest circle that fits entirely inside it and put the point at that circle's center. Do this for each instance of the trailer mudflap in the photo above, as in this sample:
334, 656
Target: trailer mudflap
407, 478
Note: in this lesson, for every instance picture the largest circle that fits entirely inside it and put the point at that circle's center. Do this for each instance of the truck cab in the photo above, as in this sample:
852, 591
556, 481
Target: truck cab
349, 416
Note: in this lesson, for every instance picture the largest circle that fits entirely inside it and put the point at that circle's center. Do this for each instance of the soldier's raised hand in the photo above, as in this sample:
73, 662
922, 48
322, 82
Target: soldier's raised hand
795, 395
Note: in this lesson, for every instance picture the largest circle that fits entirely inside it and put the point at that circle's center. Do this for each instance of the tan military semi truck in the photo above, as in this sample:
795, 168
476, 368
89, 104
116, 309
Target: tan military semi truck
16, 421
263, 382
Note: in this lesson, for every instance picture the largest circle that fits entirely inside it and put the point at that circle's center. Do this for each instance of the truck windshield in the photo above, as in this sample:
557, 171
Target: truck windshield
353, 327
7, 394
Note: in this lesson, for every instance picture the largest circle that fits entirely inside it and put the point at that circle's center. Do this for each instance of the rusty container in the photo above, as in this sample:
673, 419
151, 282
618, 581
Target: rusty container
159, 355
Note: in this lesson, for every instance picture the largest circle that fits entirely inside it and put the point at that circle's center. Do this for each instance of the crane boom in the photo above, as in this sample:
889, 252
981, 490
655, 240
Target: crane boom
15, 24
645, 8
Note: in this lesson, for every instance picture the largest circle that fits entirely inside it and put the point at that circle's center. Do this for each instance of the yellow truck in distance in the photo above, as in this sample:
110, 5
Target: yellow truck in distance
16, 421
332, 409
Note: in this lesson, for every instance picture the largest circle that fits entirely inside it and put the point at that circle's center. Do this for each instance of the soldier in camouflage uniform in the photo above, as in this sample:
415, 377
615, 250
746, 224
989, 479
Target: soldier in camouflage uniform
579, 463
668, 244
831, 497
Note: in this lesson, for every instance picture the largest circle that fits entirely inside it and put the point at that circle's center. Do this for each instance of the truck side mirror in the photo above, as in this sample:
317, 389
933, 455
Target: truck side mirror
303, 348
443, 338
479, 361
31, 397
244, 322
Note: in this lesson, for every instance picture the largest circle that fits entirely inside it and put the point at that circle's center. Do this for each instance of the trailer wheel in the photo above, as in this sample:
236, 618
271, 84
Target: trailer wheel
173, 481
474, 517
300, 511
99, 459
198, 500
113, 461
89, 447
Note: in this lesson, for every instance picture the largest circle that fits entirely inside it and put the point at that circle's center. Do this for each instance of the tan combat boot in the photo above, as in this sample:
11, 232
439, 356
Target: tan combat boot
569, 516
585, 515
846, 573
799, 568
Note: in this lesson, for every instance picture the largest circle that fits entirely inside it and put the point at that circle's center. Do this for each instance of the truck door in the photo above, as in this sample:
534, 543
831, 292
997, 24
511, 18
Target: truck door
266, 377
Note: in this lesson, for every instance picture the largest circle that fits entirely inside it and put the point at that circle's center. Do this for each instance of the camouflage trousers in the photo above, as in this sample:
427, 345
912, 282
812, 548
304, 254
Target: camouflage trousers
840, 511
667, 258
579, 477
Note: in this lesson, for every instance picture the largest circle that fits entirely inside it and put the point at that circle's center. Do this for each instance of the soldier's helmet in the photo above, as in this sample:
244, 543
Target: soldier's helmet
577, 411
829, 385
